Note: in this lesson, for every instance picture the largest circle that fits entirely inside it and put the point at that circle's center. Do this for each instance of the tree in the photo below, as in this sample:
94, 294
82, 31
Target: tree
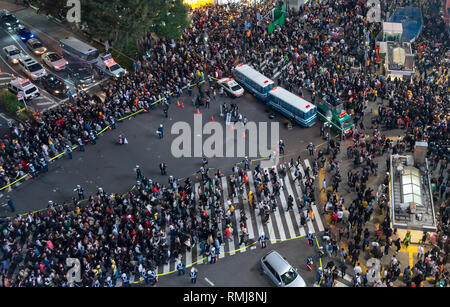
123, 22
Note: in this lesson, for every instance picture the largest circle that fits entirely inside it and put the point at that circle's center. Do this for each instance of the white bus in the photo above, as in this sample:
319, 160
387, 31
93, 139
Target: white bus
292, 106
74, 48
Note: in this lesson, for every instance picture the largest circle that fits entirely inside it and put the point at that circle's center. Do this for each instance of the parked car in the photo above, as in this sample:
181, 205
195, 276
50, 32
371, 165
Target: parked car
25, 34
280, 272
54, 85
31, 68
12, 53
231, 87
36, 46
8, 21
80, 73
54, 61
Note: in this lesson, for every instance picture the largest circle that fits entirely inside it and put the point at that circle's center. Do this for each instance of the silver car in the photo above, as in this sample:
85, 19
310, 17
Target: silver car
36, 46
280, 271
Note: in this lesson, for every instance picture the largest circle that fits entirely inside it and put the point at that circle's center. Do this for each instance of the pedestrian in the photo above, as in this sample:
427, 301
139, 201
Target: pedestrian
162, 167
193, 275
324, 185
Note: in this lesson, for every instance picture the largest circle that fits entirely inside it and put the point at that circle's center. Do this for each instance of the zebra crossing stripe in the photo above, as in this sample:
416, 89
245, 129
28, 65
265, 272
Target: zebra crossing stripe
188, 258
277, 216
288, 182
290, 232
317, 218
225, 198
166, 268
249, 217
340, 284
244, 249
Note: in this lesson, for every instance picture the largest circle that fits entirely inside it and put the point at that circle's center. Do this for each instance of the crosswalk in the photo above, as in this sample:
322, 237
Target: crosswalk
283, 224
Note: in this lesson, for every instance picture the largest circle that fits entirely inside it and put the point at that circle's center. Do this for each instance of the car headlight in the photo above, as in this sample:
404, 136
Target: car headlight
8, 24
56, 91
15, 61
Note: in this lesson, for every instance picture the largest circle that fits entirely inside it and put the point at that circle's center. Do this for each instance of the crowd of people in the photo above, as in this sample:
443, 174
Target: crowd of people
321, 46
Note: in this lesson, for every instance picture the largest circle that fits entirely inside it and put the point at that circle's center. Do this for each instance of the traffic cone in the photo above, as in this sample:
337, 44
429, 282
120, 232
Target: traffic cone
198, 111
178, 103
303, 95
212, 118
182, 105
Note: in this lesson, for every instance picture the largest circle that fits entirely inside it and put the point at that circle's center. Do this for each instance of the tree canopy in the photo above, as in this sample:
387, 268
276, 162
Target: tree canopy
123, 22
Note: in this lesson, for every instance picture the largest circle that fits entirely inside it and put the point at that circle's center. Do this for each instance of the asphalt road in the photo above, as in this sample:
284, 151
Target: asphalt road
244, 270
110, 165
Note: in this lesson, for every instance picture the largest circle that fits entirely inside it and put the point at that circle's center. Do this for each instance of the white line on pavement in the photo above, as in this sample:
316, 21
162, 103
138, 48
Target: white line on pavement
209, 282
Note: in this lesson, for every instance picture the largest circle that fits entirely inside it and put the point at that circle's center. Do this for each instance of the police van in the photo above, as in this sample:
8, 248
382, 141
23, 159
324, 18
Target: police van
28, 89
108, 65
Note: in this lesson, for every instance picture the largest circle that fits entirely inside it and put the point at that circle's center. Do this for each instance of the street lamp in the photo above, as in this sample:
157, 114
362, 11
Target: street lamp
328, 124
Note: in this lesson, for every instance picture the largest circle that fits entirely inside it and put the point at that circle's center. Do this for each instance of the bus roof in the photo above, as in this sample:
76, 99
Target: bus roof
76, 44
254, 75
292, 99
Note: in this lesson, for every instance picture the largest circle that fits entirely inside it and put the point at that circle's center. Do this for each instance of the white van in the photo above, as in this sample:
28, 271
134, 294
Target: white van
28, 89
110, 66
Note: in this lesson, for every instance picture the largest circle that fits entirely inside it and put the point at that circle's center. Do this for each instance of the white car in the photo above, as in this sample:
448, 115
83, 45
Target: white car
36, 46
13, 54
231, 87
28, 89
54, 61
31, 68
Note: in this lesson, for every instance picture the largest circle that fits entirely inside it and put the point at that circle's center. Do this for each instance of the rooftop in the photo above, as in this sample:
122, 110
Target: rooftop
399, 57
411, 198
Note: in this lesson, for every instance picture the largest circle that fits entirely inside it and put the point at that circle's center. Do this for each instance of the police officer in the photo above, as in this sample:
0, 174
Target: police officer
281, 146
246, 163
160, 131
310, 238
93, 137
166, 108
81, 144
180, 268
162, 167
311, 147
153, 277
80, 192
109, 282
126, 281
69, 151
138, 172
193, 275
44, 165
263, 240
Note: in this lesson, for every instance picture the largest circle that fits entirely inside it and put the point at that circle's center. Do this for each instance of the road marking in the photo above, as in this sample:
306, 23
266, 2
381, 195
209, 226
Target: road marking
288, 184
277, 212
44, 103
249, 224
209, 282
290, 232
7, 78
225, 198
317, 218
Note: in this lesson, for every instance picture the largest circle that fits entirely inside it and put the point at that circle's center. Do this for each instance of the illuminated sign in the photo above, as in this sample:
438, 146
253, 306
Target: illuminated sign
197, 3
